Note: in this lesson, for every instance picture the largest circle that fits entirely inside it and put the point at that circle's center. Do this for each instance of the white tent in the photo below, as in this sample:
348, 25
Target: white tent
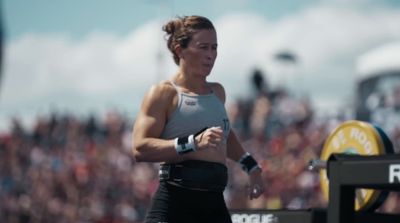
379, 61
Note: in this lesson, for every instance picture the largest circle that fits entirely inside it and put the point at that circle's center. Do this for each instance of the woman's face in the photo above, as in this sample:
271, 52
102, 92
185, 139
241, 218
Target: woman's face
199, 57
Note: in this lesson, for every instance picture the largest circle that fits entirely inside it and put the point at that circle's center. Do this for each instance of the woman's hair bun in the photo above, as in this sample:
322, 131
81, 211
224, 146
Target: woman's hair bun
170, 27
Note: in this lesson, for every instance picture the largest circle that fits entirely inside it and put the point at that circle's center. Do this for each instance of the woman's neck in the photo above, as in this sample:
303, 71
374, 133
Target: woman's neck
192, 83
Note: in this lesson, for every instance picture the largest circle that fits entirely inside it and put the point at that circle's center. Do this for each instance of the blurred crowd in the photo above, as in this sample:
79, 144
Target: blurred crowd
69, 169
73, 170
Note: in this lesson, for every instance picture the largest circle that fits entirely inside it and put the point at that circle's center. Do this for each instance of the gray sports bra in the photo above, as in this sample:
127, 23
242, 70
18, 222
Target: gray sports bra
194, 113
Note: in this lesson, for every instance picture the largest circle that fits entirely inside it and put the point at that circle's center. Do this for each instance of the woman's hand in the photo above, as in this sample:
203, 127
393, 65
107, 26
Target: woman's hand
210, 138
256, 187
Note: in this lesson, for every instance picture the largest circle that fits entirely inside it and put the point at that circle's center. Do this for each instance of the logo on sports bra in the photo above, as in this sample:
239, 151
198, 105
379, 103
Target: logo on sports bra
226, 124
190, 103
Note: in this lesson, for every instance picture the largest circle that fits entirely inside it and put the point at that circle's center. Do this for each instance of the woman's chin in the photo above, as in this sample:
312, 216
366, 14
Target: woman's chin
206, 72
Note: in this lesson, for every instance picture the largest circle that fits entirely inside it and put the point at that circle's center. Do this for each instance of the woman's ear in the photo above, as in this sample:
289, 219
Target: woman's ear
178, 51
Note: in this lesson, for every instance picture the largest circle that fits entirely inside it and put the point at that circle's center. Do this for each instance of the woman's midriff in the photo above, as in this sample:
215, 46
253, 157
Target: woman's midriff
211, 155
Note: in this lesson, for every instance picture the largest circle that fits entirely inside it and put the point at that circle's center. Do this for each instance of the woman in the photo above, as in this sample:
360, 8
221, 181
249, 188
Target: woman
183, 124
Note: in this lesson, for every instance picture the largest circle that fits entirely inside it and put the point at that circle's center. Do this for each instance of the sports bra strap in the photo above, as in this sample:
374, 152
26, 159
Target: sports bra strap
174, 85
178, 92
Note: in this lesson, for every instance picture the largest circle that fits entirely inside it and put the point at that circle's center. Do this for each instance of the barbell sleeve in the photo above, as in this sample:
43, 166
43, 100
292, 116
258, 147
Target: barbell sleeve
316, 164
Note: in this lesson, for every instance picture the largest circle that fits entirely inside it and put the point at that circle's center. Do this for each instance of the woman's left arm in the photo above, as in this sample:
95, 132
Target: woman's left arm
236, 153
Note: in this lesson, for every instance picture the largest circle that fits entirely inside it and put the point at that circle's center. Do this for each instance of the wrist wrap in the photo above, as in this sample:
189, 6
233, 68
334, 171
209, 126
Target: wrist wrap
248, 163
185, 144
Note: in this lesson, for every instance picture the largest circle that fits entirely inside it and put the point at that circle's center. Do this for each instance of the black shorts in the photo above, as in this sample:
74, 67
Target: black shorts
173, 204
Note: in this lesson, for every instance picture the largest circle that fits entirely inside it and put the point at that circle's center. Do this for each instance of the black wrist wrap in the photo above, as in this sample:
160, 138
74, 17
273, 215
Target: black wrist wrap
248, 163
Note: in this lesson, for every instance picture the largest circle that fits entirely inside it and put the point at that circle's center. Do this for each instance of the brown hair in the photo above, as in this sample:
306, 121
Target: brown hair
180, 31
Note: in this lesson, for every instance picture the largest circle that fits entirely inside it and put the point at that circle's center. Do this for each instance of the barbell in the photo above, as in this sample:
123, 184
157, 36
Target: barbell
354, 137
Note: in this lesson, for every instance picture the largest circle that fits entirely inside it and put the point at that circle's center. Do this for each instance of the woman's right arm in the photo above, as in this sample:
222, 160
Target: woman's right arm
149, 124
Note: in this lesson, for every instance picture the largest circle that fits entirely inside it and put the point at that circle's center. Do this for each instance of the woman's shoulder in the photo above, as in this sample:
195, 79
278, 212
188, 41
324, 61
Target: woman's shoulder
218, 89
163, 88
162, 91
216, 86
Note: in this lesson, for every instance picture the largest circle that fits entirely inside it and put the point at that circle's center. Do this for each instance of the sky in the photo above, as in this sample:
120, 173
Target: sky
92, 56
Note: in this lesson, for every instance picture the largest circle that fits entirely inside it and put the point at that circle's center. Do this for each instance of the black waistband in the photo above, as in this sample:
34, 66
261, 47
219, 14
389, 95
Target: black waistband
195, 174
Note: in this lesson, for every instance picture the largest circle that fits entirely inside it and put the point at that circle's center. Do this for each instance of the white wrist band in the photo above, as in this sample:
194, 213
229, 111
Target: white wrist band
185, 144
